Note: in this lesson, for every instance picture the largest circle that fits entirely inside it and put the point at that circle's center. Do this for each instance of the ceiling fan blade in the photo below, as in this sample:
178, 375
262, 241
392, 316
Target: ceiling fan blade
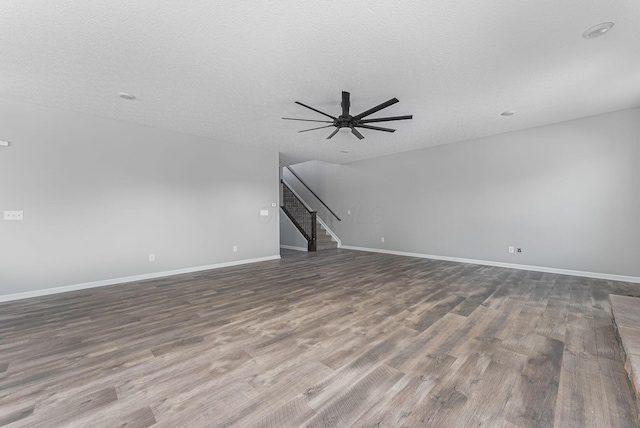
345, 103
376, 108
355, 132
313, 129
316, 110
333, 133
377, 128
386, 119
308, 120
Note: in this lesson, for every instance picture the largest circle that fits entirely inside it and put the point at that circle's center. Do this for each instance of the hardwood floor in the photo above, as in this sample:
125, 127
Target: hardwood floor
334, 338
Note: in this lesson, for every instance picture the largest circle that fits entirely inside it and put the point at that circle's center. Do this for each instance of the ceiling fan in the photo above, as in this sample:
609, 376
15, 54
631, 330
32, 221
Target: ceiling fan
348, 123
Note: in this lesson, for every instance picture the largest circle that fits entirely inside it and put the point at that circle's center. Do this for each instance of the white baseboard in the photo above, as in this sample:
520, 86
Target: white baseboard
135, 278
504, 265
291, 247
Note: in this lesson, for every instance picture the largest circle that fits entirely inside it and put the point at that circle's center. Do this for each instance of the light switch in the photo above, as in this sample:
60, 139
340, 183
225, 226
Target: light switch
13, 215
264, 212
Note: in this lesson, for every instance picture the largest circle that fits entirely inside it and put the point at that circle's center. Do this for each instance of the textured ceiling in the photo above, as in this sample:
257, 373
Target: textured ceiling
231, 70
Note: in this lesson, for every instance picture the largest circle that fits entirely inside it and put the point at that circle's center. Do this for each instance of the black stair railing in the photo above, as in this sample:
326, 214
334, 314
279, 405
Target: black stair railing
312, 192
302, 217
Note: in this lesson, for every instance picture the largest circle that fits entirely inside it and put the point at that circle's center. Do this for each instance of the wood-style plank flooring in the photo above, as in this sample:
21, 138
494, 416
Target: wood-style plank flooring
335, 338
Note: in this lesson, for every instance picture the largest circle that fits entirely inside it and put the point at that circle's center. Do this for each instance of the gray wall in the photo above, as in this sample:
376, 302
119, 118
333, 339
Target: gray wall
100, 195
567, 194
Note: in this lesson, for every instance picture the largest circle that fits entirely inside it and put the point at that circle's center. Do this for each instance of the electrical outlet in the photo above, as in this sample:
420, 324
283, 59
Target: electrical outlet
152, 257
348, 212
264, 213
511, 250
273, 204
381, 239
235, 248
14, 215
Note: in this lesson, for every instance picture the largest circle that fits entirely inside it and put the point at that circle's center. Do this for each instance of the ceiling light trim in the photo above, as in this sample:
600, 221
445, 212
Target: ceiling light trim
126, 96
598, 30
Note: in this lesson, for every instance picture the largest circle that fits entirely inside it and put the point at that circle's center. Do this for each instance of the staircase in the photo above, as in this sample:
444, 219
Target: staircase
305, 220
324, 241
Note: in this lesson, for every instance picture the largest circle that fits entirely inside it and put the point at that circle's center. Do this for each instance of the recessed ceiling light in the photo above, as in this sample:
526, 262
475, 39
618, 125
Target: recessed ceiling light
508, 113
598, 30
4, 144
126, 96
345, 151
